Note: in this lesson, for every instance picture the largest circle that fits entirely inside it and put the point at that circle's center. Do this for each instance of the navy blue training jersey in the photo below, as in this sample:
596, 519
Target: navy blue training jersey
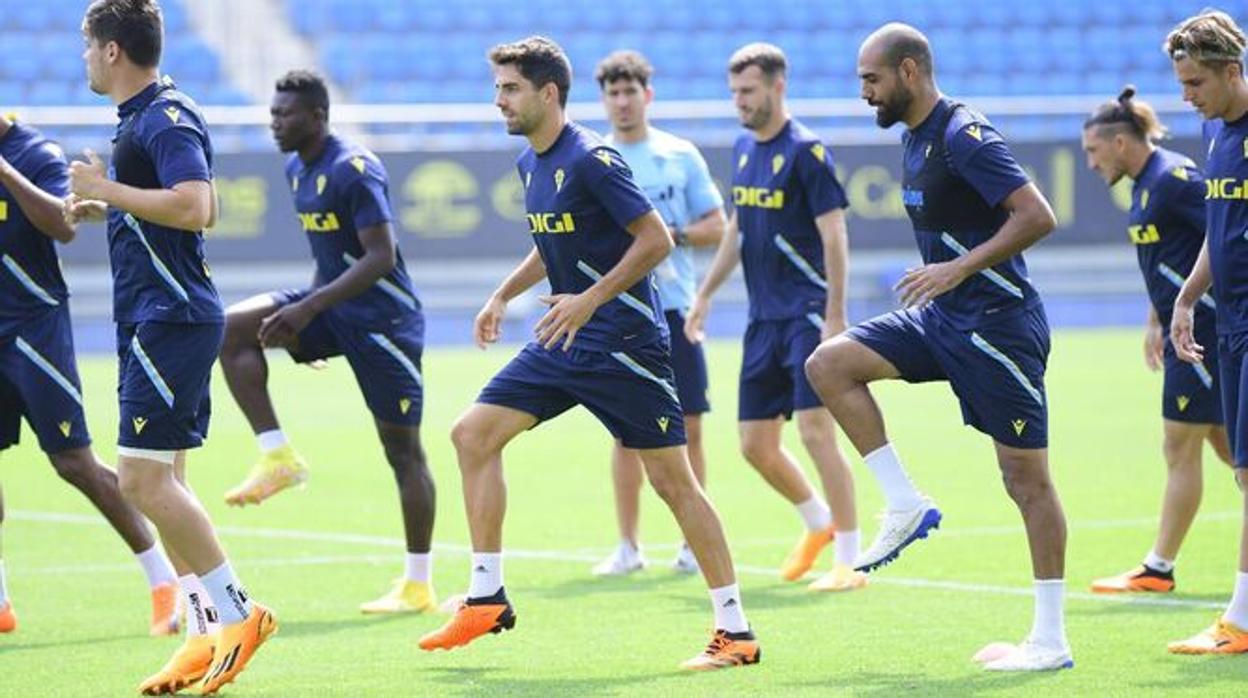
1167, 226
1226, 220
344, 190
159, 273
30, 271
957, 170
779, 187
580, 198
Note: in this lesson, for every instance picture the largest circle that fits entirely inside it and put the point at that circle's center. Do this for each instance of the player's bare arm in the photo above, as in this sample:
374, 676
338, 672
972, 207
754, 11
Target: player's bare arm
707, 230
40, 208
835, 237
1181, 324
727, 255
485, 328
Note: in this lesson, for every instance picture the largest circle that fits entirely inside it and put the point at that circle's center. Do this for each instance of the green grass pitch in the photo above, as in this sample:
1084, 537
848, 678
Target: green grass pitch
314, 554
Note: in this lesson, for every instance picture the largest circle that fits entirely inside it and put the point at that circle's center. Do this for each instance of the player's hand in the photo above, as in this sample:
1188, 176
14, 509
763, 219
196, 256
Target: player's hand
695, 321
87, 179
486, 328
1181, 337
76, 210
567, 315
921, 285
282, 328
832, 326
1154, 346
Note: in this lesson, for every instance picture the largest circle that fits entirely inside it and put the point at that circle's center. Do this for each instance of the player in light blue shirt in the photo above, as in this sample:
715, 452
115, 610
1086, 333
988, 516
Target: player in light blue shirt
677, 181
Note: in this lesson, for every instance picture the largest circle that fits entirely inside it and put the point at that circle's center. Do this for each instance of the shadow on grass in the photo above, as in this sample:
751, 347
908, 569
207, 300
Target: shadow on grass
871, 683
419, 623
497, 680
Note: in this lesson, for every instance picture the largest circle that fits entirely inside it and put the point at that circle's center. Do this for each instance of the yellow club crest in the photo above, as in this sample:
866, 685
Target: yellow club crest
604, 155
777, 163
974, 132
1183, 401
745, 157
321, 181
1019, 426
173, 113
358, 163
559, 177
139, 423
65, 428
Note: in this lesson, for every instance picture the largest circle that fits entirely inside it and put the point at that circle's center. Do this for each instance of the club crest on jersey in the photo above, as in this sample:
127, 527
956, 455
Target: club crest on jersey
65, 427
321, 181
818, 151
1183, 401
1144, 199
139, 423
1246, 147
745, 157
1019, 425
776, 164
358, 163
974, 132
559, 177
604, 155
172, 113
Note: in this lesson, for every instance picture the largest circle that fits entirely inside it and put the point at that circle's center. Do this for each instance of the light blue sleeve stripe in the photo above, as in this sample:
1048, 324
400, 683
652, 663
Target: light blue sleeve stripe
384, 342
384, 284
801, 264
644, 372
816, 320
47, 367
161, 269
150, 369
1177, 279
626, 298
1203, 374
24, 279
991, 273
1000, 357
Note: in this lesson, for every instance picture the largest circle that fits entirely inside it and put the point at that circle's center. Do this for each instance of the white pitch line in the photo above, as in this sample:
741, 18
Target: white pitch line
560, 556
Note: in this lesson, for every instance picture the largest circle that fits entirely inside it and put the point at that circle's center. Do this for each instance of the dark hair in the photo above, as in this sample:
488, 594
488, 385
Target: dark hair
540, 61
1210, 38
909, 44
624, 65
136, 26
768, 57
308, 85
1127, 115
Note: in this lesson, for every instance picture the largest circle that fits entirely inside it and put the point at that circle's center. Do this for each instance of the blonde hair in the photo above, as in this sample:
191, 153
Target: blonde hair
1209, 38
1127, 115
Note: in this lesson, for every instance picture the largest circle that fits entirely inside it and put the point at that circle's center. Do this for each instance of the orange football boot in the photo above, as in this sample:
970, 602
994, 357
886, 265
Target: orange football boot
1142, 578
726, 650
805, 553
8, 619
471, 621
165, 609
235, 647
187, 665
1223, 637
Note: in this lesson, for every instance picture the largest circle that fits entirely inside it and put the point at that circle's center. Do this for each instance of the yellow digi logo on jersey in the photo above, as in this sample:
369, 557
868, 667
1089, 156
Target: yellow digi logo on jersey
319, 222
1227, 188
552, 223
321, 181
172, 113
559, 177
777, 163
1144, 234
65, 428
758, 197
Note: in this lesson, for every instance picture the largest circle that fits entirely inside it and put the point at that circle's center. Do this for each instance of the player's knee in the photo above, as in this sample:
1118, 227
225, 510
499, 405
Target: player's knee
1024, 485
75, 467
470, 441
142, 487
672, 488
757, 452
821, 365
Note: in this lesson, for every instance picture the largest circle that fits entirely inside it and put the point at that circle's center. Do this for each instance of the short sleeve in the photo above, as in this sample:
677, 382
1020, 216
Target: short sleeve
1180, 193
50, 170
179, 156
814, 167
611, 182
367, 202
979, 154
700, 190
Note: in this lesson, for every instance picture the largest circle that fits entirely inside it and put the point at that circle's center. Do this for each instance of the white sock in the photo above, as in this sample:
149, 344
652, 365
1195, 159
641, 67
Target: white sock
899, 492
847, 546
1048, 627
815, 514
4, 591
1237, 612
156, 566
200, 615
271, 439
729, 615
419, 567
227, 594
487, 575
1158, 562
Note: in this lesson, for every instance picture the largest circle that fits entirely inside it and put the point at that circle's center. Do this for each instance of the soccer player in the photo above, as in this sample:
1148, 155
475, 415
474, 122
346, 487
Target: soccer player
788, 232
602, 344
672, 173
38, 372
1167, 226
157, 195
1207, 52
971, 318
361, 306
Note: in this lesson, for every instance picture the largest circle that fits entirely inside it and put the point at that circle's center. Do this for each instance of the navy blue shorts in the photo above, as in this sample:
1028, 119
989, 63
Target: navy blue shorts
164, 375
632, 393
773, 368
996, 370
1191, 393
386, 363
39, 380
1233, 366
689, 365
